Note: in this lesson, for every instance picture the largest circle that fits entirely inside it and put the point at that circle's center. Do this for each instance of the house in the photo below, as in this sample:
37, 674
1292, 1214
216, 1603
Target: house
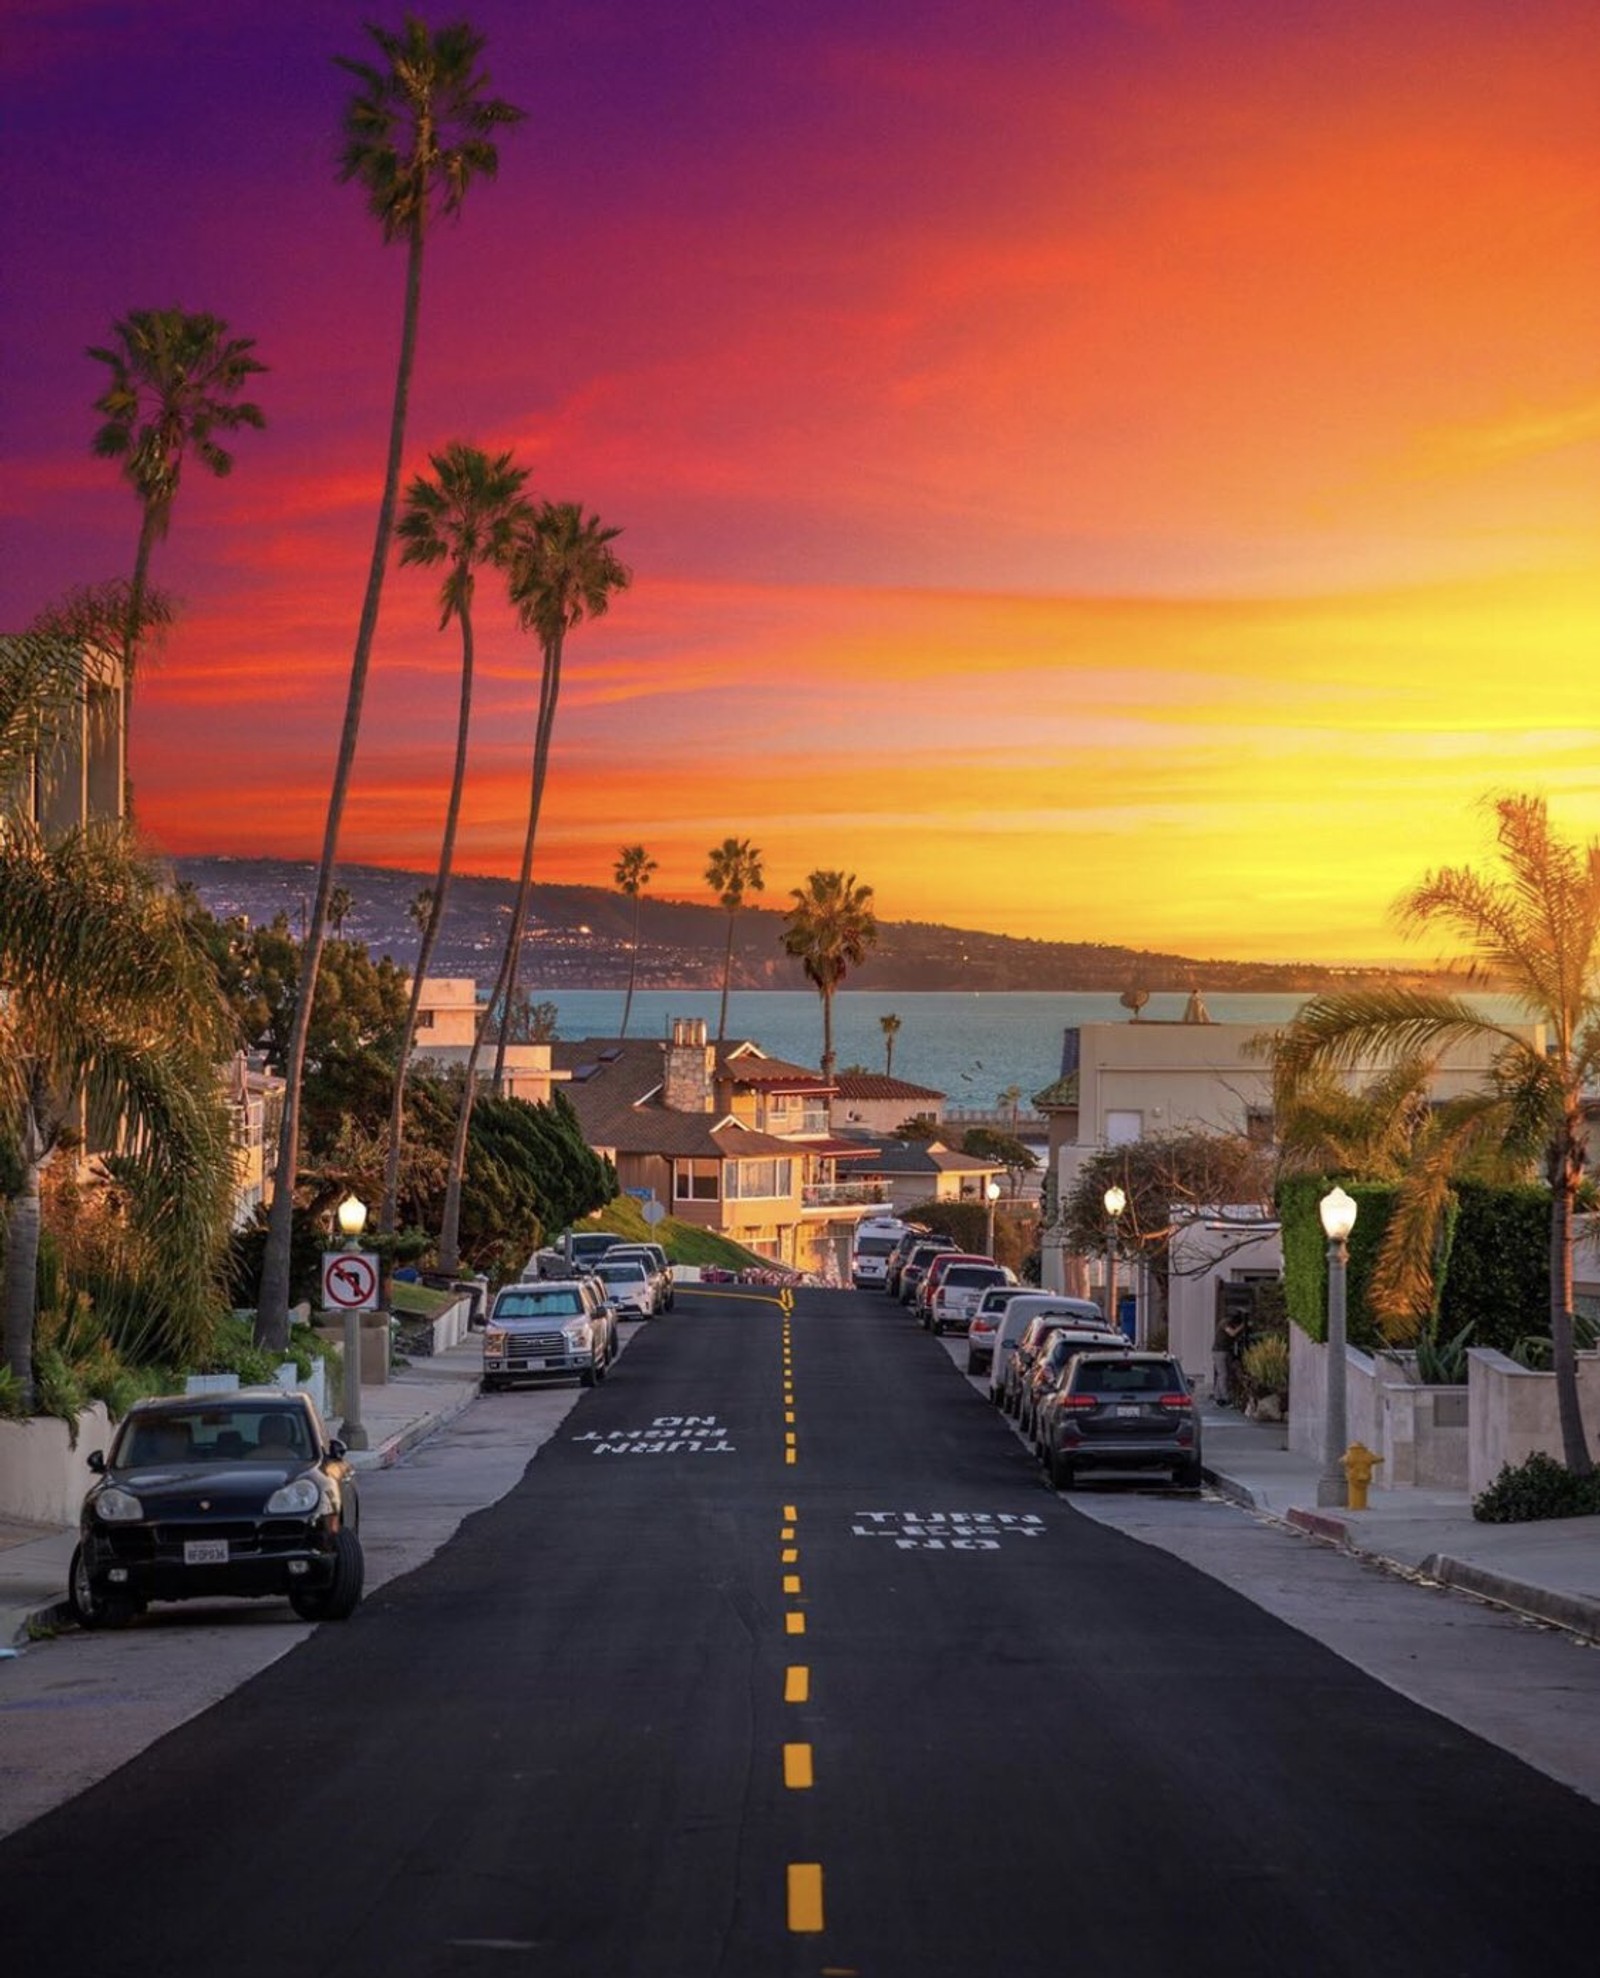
870, 1102
912, 1172
447, 1020
723, 1136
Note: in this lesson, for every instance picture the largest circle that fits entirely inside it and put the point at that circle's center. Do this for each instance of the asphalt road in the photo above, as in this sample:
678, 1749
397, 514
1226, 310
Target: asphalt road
692, 1699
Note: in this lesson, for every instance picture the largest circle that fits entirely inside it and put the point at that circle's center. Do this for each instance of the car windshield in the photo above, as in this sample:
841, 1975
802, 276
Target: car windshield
623, 1273
529, 1302
1128, 1377
969, 1275
213, 1434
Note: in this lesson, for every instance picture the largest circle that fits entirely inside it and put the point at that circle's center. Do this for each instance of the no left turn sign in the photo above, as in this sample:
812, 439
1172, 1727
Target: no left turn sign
349, 1281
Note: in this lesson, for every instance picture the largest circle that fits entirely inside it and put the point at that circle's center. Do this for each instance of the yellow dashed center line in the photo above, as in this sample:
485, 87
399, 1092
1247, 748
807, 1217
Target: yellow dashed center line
789, 1555
791, 1582
794, 1624
797, 1767
797, 1683
805, 1897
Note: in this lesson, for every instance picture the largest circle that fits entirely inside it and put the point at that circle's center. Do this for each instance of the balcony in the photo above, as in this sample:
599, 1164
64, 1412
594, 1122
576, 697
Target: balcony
842, 1194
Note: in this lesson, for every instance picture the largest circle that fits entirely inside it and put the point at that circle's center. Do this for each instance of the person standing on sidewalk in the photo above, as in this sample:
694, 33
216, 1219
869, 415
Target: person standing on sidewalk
1227, 1350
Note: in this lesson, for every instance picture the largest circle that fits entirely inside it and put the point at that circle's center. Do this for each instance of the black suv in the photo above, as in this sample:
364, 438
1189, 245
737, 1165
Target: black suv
1122, 1412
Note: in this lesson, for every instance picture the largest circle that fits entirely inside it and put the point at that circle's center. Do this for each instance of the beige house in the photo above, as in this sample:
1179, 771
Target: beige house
912, 1172
447, 1018
873, 1103
721, 1135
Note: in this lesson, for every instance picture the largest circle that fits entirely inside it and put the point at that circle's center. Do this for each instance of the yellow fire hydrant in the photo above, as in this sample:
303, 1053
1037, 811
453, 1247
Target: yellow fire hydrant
1358, 1463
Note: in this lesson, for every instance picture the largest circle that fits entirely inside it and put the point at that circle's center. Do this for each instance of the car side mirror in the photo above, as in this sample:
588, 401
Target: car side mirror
97, 1462
336, 1447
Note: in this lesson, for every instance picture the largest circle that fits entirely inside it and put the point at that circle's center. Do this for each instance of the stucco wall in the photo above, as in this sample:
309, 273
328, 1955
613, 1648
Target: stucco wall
42, 1476
1512, 1412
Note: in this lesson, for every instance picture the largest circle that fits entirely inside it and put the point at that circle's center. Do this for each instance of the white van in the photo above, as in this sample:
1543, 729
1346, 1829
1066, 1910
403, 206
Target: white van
869, 1250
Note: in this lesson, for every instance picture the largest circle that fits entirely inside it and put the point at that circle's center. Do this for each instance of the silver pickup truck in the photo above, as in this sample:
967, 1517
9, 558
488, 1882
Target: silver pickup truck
549, 1329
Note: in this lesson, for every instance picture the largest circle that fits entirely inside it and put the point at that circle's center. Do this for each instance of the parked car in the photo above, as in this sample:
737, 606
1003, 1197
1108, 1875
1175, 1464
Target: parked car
985, 1323
1058, 1342
630, 1288
953, 1288
200, 1496
552, 1329
1014, 1324
895, 1263
1123, 1411
572, 1253
1036, 1338
936, 1268
870, 1247
917, 1262
656, 1263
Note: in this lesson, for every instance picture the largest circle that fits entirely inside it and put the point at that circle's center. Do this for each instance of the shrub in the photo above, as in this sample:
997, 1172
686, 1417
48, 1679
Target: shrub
1442, 1363
1266, 1365
1539, 1488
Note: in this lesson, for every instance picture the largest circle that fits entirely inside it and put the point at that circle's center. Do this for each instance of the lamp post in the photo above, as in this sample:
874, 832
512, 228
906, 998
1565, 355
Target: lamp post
991, 1195
1115, 1202
1338, 1213
352, 1221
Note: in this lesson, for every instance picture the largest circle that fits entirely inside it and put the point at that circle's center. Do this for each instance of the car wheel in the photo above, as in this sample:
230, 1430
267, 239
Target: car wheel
973, 1366
340, 1598
90, 1607
1189, 1476
488, 1386
1062, 1474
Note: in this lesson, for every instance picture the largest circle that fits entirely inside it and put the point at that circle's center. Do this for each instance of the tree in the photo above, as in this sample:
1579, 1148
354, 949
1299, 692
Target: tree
1535, 931
341, 904
175, 385
109, 1011
1014, 1155
563, 571
734, 869
419, 911
632, 874
890, 1026
468, 514
1009, 1101
831, 928
1170, 1181
419, 129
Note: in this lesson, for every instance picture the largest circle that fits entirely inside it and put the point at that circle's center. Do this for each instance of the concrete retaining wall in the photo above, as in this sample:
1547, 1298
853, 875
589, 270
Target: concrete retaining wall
42, 1475
1512, 1412
1420, 1432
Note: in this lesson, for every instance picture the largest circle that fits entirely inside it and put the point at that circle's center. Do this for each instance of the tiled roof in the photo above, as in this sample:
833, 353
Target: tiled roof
615, 1087
920, 1157
1063, 1093
874, 1085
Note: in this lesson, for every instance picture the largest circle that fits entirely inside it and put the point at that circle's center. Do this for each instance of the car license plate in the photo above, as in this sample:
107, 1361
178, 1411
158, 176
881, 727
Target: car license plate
535, 1363
205, 1552
1135, 1410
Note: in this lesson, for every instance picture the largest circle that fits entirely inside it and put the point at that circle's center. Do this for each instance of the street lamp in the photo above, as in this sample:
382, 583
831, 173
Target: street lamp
991, 1195
352, 1217
1338, 1213
1115, 1202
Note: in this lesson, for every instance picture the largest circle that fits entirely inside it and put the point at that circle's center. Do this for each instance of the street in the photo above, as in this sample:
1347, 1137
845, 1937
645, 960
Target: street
779, 1660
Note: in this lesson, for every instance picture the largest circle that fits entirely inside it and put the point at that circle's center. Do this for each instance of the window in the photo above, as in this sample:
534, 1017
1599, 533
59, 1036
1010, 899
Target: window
696, 1181
746, 1181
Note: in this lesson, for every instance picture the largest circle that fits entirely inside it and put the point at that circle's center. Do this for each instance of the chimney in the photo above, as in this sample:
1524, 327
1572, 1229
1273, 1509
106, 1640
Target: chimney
686, 1087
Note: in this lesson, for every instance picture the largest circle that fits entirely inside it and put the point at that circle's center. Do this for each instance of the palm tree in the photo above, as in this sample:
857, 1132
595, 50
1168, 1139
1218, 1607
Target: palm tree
890, 1026
419, 909
468, 514
1535, 931
417, 132
563, 571
341, 904
734, 870
175, 385
109, 1009
632, 874
831, 928
1009, 1100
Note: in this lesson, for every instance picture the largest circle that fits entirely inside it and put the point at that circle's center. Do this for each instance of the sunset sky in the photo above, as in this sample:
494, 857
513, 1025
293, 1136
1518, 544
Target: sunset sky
1118, 470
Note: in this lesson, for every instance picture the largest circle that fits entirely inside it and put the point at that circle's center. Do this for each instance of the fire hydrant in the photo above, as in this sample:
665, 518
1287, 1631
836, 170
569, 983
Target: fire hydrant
1358, 1463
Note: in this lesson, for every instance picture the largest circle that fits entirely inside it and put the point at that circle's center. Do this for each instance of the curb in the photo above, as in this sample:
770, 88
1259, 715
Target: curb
388, 1452
1320, 1525
1573, 1611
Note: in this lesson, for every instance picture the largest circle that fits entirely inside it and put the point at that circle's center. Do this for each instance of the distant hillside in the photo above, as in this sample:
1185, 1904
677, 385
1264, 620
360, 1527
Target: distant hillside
579, 939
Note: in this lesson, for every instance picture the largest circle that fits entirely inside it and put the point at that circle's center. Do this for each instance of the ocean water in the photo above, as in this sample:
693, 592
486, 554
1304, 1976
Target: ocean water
970, 1047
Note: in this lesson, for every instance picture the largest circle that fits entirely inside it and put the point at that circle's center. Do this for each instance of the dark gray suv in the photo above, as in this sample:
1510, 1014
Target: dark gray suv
1121, 1412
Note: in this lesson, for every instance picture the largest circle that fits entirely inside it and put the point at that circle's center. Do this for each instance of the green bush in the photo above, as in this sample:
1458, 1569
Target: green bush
1442, 1363
1539, 1488
1266, 1365
1498, 1280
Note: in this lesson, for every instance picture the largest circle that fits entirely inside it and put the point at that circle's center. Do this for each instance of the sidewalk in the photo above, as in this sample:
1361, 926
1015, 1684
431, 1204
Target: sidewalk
1549, 1569
414, 1402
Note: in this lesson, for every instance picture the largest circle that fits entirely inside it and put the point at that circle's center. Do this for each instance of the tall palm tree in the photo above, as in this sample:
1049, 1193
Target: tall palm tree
341, 904
734, 870
890, 1026
175, 385
831, 929
109, 1003
1535, 932
419, 129
632, 874
419, 909
469, 513
563, 571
